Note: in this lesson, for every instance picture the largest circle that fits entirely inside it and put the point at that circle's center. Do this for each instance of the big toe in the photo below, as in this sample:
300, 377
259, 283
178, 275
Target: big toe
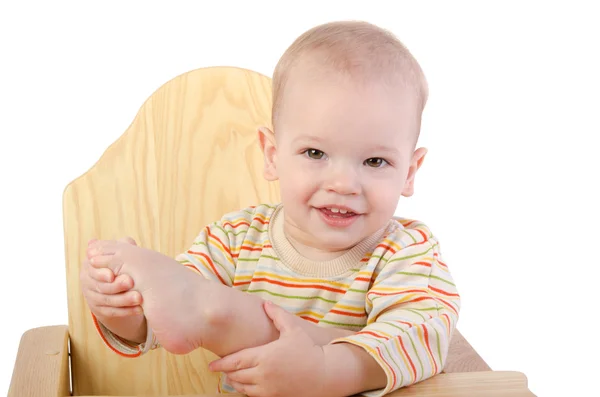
128, 240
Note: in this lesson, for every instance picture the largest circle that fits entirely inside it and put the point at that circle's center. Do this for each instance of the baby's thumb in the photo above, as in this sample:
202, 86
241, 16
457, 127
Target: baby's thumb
280, 317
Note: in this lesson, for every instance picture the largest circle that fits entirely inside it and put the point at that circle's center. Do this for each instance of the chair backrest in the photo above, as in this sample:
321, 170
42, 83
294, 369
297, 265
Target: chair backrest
190, 155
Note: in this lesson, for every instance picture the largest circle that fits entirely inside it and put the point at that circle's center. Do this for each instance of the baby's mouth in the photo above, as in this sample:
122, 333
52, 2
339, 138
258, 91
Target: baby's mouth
337, 212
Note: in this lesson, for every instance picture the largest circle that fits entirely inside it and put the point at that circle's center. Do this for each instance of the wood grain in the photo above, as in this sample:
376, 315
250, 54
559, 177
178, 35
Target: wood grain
42, 365
462, 357
190, 155
473, 384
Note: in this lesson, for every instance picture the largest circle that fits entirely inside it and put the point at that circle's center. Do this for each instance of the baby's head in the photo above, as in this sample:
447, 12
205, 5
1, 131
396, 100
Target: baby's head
347, 104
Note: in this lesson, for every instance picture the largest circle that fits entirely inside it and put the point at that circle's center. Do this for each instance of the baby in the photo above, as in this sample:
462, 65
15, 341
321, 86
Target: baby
325, 293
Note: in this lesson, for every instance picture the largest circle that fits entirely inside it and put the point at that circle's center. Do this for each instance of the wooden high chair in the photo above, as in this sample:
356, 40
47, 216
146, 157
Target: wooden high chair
190, 155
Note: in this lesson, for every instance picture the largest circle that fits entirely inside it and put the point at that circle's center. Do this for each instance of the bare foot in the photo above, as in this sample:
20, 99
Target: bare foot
170, 292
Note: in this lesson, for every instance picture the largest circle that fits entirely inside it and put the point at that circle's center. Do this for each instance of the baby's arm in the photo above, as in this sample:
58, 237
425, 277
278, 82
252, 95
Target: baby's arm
238, 321
414, 308
185, 310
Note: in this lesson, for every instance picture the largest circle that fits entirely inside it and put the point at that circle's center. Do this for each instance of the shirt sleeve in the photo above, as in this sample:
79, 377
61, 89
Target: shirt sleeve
412, 311
213, 252
213, 255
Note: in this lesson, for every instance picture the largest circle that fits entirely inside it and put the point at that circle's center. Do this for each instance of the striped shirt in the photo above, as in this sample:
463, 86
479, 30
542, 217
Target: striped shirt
393, 288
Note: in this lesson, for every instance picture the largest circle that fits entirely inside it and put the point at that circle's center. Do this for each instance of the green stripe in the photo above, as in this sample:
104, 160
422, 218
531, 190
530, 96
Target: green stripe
409, 235
241, 231
411, 256
391, 323
248, 259
240, 259
360, 291
342, 324
418, 356
292, 296
221, 229
426, 276
417, 313
215, 261
395, 363
438, 346
270, 257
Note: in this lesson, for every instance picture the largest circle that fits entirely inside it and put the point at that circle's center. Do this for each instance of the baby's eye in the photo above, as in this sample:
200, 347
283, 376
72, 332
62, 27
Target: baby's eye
315, 154
375, 162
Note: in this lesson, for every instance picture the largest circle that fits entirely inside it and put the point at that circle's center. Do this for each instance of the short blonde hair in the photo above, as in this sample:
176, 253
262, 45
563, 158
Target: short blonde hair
356, 48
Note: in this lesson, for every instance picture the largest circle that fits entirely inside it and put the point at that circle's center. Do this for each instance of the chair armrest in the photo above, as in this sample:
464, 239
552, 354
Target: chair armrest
472, 384
462, 357
42, 364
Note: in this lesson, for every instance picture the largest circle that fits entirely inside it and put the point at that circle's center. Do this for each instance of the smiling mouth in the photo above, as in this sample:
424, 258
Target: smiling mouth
335, 212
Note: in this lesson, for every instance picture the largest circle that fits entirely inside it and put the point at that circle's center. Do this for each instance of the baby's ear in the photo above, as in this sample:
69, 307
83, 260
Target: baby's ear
267, 144
415, 164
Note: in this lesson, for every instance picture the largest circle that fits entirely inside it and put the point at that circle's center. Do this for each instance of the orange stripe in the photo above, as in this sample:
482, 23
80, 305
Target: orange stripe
245, 223
435, 254
309, 319
395, 293
371, 333
404, 322
120, 353
257, 219
422, 264
441, 291
422, 234
429, 348
257, 279
348, 314
367, 279
247, 248
386, 247
394, 379
409, 359
193, 268
225, 248
447, 304
212, 265
407, 223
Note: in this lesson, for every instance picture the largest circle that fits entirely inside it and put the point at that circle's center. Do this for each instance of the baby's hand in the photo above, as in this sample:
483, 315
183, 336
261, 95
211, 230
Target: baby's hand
106, 295
293, 365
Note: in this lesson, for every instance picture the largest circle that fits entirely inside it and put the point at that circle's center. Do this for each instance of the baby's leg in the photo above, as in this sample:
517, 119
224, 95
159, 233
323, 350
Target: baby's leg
171, 294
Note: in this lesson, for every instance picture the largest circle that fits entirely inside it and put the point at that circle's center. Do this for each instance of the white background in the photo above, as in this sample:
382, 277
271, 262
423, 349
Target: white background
510, 184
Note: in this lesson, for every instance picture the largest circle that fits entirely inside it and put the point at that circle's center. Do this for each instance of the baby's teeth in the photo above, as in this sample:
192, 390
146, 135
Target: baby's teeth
343, 211
334, 210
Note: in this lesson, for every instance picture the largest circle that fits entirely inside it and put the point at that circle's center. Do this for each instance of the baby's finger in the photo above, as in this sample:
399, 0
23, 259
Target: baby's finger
124, 299
102, 274
247, 376
242, 359
107, 311
120, 284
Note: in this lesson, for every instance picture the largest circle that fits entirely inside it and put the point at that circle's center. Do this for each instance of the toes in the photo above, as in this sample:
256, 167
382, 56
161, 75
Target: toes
128, 240
112, 262
125, 299
107, 311
101, 247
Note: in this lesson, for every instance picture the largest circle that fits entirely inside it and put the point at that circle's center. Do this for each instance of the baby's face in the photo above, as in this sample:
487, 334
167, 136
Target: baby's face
343, 154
